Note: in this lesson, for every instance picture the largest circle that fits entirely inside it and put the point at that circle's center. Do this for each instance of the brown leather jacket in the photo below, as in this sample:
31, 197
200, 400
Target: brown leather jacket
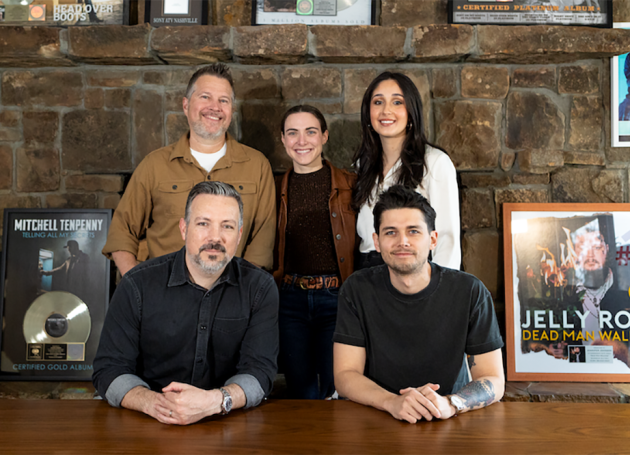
342, 218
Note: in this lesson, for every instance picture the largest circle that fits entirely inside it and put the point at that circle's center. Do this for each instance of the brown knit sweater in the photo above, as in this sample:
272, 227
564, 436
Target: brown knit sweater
310, 248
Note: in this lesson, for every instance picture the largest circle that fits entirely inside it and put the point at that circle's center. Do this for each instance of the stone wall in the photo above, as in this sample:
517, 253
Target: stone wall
524, 112
522, 122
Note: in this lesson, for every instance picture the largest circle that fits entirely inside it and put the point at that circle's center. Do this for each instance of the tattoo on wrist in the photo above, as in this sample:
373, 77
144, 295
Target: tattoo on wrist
477, 394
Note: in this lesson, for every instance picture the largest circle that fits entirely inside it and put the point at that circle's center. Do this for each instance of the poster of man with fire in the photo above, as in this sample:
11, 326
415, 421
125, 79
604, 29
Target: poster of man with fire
571, 301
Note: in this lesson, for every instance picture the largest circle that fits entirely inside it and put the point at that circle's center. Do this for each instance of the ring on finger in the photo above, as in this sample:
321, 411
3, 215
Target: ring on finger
170, 414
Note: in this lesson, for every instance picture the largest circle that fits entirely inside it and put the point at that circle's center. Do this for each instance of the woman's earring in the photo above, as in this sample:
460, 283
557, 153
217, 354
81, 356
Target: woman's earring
409, 125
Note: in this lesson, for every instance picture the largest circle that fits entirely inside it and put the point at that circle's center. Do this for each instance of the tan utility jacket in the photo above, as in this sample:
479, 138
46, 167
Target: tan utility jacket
155, 200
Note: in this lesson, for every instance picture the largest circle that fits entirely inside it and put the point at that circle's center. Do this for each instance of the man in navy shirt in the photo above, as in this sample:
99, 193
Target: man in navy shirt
193, 333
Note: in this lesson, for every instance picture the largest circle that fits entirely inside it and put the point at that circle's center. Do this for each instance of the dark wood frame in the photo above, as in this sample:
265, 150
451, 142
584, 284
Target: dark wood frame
508, 209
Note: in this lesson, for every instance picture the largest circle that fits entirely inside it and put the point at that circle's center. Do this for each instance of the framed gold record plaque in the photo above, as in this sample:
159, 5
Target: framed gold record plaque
54, 292
314, 12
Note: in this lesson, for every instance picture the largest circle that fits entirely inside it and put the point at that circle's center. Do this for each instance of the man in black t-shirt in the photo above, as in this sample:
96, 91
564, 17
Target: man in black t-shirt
403, 327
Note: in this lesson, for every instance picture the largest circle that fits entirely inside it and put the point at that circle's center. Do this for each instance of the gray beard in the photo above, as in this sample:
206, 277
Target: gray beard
200, 131
211, 268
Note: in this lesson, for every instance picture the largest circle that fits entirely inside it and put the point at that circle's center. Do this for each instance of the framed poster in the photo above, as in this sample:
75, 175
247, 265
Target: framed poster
620, 94
54, 292
593, 13
313, 12
64, 12
567, 302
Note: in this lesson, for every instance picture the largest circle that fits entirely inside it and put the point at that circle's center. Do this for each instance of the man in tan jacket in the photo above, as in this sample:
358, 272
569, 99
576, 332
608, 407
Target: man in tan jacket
155, 198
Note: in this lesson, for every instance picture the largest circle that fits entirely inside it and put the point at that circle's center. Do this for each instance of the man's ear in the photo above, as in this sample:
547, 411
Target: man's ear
182, 228
434, 237
376, 244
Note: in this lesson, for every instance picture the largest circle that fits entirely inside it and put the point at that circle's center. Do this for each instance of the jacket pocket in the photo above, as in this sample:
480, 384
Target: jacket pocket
245, 187
171, 196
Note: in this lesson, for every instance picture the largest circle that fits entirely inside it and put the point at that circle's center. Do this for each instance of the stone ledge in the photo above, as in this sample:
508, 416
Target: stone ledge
294, 44
270, 44
548, 44
28, 47
195, 45
110, 45
566, 392
442, 43
358, 44
38, 390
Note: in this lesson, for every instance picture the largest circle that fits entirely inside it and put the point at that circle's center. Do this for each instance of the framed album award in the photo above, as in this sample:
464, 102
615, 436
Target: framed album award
313, 12
567, 284
592, 13
54, 292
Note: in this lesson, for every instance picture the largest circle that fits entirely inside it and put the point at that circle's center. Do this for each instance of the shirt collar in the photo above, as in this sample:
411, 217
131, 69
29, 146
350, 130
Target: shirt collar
234, 153
179, 274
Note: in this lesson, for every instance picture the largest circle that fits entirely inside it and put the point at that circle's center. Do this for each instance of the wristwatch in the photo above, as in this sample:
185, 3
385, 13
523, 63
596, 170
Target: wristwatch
226, 405
457, 402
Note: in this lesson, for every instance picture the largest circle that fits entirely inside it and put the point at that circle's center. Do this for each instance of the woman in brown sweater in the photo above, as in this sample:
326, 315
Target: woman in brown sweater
314, 253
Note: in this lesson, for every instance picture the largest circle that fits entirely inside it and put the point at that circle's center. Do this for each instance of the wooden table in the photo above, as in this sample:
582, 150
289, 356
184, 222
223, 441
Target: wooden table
285, 426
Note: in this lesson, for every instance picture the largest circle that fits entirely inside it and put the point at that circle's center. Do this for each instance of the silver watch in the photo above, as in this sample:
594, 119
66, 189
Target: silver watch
457, 402
226, 405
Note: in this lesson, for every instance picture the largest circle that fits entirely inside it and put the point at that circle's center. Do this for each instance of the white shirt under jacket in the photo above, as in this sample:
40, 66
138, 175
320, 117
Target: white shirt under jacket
439, 186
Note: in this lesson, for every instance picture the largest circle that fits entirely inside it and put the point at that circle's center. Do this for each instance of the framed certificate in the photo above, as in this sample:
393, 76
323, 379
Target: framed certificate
567, 302
313, 12
54, 293
593, 13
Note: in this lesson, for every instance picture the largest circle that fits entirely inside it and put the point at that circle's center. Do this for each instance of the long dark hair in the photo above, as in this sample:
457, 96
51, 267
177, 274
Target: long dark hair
369, 156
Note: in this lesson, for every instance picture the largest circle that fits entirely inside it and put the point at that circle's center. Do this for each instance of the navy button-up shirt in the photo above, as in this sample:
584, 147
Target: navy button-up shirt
161, 328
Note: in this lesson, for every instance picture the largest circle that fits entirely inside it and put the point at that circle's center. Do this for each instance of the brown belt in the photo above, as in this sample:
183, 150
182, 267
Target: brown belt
313, 282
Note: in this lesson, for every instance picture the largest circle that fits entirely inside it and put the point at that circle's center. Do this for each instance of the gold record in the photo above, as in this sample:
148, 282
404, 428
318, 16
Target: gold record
57, 317
344, 4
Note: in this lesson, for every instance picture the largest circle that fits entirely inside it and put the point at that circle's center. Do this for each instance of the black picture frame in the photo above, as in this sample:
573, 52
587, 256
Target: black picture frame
527, 12
285, 18
53, 292
197, 14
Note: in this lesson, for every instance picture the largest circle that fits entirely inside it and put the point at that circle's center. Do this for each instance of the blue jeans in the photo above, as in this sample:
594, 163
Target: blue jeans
307, 322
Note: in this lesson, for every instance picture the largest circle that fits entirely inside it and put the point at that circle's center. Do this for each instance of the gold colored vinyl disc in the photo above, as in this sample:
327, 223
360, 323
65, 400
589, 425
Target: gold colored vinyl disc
57, 317
344, 4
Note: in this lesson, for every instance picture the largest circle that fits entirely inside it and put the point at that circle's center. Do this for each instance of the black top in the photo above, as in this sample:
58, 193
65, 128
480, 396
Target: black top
411, 340
310, 248
162, 327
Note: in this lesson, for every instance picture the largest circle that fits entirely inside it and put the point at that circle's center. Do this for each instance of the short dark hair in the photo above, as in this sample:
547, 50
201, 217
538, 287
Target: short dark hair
401, 197
215, 189
219, 70
307, 109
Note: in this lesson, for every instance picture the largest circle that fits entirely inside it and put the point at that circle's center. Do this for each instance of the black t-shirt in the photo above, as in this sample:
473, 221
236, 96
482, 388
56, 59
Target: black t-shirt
411, 340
